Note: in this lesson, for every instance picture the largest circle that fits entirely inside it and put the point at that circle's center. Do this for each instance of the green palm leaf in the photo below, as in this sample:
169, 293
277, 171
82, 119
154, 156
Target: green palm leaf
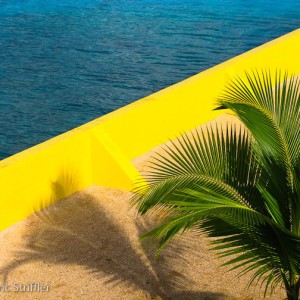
238, 184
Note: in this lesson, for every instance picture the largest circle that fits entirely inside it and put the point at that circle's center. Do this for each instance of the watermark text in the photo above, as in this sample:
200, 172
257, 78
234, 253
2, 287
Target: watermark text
33, 287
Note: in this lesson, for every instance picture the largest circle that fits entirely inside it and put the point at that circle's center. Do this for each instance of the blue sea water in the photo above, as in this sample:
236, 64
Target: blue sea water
66, 62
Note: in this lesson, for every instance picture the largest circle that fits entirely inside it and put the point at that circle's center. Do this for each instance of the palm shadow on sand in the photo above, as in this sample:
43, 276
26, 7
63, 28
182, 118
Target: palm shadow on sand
82, 231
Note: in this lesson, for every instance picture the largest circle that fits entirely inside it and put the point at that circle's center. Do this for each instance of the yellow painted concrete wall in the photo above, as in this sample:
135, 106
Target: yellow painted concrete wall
100, 152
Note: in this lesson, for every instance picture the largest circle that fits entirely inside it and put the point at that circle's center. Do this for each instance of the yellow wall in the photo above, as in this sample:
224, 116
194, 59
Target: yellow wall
100, 152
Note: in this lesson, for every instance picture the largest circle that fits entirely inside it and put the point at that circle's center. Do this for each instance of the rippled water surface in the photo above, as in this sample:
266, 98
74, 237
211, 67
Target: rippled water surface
63, 63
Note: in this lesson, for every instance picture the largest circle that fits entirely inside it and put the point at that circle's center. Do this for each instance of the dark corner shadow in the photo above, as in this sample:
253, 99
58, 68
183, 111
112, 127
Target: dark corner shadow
81, 231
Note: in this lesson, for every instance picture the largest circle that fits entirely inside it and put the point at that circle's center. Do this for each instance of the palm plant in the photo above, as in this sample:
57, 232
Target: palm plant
240, 185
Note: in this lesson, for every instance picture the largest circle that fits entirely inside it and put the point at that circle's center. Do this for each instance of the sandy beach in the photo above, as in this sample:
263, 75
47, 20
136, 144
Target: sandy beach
87, 247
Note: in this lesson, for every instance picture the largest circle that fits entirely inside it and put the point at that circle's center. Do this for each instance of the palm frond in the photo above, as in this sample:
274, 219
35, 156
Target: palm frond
269, 106
217, 155
240, 185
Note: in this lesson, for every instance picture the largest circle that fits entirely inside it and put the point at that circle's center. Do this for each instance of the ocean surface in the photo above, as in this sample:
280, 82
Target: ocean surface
66, 62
